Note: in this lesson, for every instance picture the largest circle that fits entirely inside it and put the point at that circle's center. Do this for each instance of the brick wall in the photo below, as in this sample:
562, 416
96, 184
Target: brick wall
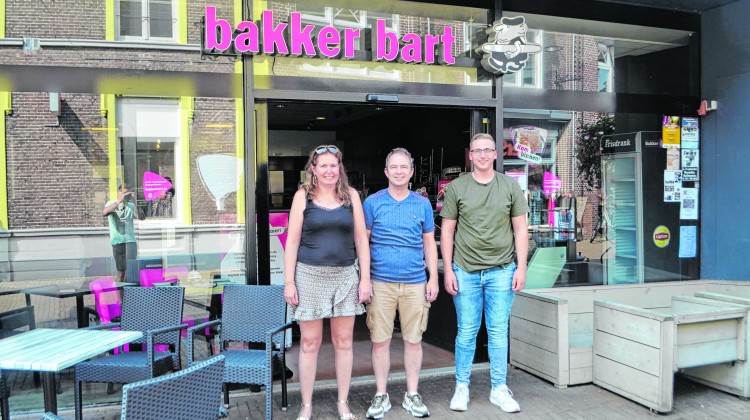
55, 172
75, 19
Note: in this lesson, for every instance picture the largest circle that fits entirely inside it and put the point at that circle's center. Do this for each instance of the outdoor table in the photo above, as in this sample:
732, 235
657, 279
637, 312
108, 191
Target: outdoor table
77, 289
51, 350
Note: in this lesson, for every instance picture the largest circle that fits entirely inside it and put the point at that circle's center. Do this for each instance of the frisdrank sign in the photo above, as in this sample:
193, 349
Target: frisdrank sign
507, 50
295, 39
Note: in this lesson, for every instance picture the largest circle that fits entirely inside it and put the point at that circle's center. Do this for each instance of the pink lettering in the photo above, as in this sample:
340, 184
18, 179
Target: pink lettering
247, 40
447, 39
215, 27
350, 35
300, 38
274, 40
430, 41
386, 43
411, 52
328, 42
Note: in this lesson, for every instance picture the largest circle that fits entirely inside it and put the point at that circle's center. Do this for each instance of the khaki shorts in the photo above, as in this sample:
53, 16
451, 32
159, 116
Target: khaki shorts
412, 306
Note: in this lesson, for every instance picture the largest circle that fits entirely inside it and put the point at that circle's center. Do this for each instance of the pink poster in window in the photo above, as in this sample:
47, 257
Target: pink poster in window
551, 184
442, 187
154, 185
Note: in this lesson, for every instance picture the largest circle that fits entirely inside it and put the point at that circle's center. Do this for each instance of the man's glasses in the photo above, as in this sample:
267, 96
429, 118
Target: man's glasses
480, 152
322, 149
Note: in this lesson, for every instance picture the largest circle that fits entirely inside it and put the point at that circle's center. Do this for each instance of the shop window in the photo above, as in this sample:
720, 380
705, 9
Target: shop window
147, 19
530, 75
604, 63
148, 151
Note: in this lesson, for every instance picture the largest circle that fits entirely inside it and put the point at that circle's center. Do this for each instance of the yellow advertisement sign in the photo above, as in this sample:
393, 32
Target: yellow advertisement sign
670, 131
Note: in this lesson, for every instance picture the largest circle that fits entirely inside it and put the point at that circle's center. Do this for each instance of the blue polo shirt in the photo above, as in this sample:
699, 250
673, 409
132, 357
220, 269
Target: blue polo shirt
396, 246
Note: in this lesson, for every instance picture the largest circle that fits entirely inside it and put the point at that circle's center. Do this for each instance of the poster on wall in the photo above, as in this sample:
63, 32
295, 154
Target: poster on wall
442, 187
672, 186
690, 164
689, 204
673, 158
521, 177
278, 226
690, 133
670, 131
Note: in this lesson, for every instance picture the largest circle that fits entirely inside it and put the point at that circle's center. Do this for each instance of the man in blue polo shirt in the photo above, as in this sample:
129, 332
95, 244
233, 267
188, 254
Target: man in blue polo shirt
402, 237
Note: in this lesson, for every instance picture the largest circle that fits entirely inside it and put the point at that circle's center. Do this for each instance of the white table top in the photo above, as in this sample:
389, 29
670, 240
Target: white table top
52, 350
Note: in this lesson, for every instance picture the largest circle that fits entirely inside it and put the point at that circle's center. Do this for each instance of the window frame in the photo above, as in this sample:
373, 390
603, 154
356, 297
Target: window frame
179, 178
145, 24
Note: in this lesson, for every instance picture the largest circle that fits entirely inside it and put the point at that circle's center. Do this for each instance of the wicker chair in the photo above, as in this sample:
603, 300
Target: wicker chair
10, 323
193, 393
155, 312
251, 314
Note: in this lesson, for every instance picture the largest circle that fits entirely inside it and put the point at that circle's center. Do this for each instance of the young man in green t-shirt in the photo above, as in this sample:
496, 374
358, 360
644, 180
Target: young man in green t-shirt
484, 244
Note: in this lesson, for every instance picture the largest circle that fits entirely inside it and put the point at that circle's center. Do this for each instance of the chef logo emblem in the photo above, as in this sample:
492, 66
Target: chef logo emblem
507, 50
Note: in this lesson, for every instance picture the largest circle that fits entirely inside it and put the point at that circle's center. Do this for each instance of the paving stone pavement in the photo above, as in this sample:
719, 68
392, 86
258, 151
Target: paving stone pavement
538, 400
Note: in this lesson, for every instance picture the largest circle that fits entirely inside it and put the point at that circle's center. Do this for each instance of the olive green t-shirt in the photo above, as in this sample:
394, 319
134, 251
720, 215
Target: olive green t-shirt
484, 232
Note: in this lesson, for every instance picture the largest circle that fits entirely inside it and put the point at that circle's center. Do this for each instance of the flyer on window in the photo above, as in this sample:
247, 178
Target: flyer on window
673, 158
672, 186
688, 241
689, 204
670, 131
690, 164
690, 133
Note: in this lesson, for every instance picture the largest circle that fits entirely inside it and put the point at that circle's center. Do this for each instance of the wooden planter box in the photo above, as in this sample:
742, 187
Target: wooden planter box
552, 330
729, 377
637, 351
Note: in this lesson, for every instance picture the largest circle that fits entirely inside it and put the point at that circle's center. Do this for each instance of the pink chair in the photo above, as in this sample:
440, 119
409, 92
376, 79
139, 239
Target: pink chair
152, 276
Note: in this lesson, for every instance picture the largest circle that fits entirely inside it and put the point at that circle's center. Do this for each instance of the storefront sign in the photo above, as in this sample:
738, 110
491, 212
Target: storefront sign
507, 50
295, 39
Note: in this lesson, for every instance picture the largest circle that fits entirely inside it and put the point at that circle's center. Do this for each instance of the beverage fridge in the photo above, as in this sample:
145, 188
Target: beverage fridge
641, 214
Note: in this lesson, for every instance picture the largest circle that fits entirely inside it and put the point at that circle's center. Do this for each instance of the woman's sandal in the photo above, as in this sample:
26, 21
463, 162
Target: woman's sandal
305, 406
346, 416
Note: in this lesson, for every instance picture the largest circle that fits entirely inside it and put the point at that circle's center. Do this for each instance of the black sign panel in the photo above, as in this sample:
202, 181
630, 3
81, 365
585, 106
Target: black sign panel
619, 143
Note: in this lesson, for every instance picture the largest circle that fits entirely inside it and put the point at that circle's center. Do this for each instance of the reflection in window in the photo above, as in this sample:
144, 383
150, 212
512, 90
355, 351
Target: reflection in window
148, 143
529, 76
604, 62
147, 19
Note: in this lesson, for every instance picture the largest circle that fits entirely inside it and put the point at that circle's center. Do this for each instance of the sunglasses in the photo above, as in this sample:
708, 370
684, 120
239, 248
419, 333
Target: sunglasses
322, 149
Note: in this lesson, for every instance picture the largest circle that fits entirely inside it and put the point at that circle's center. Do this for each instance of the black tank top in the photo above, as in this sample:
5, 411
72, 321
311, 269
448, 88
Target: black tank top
327, 236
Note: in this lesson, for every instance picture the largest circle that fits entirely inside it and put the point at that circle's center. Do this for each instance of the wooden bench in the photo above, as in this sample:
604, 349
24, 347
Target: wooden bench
637, 351
729, 377
551, 330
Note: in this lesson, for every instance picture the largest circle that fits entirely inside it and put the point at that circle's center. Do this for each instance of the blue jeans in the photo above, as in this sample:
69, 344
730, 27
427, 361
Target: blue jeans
489, 290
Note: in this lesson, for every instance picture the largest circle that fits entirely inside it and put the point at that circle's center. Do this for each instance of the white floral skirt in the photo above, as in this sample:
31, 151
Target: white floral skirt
326, 292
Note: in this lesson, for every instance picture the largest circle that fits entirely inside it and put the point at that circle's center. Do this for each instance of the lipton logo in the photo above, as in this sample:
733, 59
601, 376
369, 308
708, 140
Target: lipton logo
661, 236
507, 50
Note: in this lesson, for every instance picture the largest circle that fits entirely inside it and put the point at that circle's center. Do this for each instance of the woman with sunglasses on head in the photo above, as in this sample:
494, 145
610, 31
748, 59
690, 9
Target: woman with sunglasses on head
326, 270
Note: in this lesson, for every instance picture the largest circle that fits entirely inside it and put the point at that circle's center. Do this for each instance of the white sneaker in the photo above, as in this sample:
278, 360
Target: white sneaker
503, 398
380, 405
460, 400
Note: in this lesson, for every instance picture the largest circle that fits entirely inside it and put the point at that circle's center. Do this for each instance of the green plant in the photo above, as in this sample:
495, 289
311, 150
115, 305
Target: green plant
588, 149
